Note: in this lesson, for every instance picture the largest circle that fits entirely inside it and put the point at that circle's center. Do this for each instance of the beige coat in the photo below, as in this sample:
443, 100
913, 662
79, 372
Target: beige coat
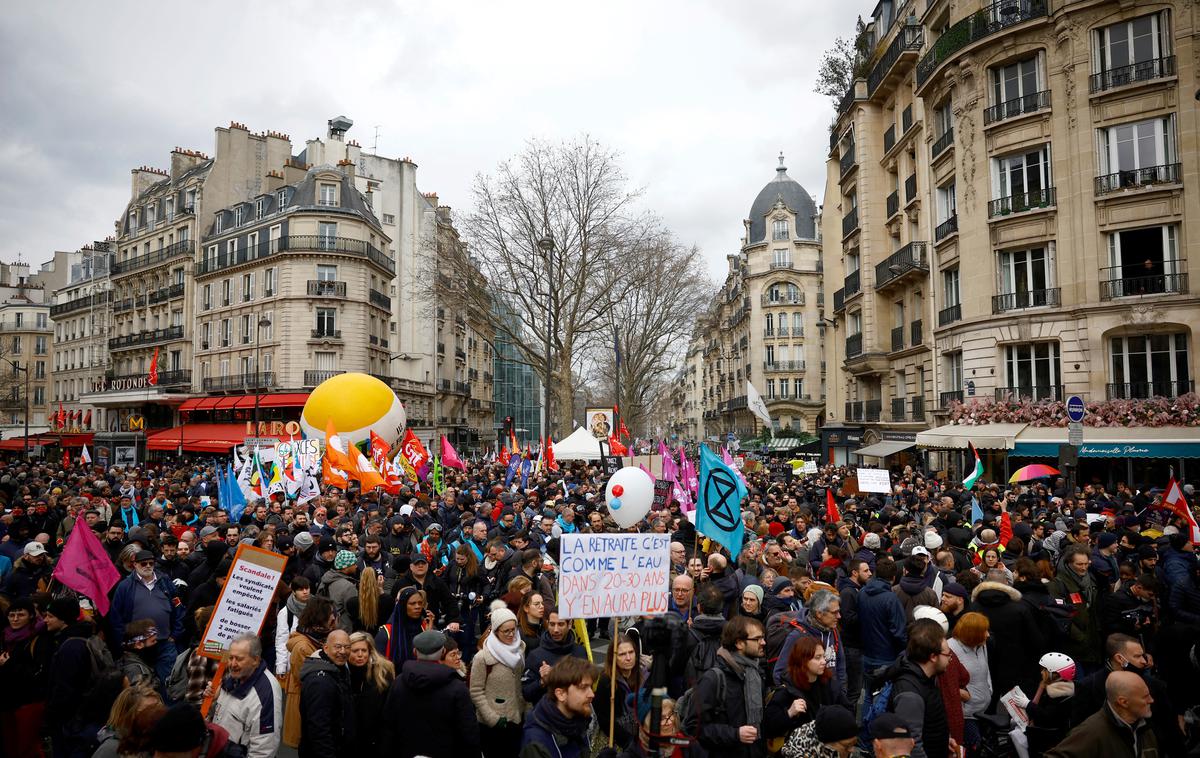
299, 646
496, 689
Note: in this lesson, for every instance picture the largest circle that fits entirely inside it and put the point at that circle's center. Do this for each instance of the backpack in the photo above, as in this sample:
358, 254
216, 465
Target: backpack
881, 702
779, 628
177, 682
690, 707
99, 656
702, 657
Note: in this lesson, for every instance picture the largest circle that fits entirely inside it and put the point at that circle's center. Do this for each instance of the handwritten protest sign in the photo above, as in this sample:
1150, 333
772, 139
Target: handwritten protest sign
662, 495
874, 480
603, 575
245, 598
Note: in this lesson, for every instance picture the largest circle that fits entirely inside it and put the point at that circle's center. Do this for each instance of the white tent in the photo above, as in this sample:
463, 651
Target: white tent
580, 446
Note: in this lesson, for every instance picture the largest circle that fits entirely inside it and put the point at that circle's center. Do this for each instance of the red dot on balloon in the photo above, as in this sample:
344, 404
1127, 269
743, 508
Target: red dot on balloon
618, 490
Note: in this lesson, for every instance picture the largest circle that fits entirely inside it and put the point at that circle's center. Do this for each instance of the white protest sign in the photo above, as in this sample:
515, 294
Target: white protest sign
602, 575
874, 480
245, 598
809, 467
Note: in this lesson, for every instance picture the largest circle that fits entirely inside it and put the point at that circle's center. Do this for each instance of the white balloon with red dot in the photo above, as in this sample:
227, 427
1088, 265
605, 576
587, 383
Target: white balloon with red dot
629, 495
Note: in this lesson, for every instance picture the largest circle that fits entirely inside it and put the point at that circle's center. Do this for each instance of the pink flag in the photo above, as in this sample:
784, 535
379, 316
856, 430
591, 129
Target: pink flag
450, 456
86, 568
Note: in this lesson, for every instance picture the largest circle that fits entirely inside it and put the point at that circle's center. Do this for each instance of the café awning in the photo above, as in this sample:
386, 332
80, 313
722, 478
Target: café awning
1112, 442
885, 448
984, 436
198, 438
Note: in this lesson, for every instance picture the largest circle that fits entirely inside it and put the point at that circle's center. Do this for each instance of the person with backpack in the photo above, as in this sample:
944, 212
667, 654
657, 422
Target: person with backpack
698, 652
340, 585
881, 619
725, 709
804, 691
911, 691
824, 612
80, 659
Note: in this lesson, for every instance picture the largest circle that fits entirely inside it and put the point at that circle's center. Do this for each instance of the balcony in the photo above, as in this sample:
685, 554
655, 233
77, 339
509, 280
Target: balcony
326, 334
898, 407
462, 388
872, 410
945, 229
910, 188
893, 203
854, 411
904, 47
953, 396
164, 294
897, 338
916, 331
174, 378
149, 337
950, 314
1146, 390
988, 21
911, 257
443, 385
736, 404
460, 354
1134, 73
262, 380
781, 265
326, 288
1018, 106
847, 161
313, 377
889, 139
1035, 393
918, 408
162, 255
298, 243
1113, 284
854, 345
783, 298
850, 222
94, 300
129, 304
839, 301
941, 143
1019, 203
777, 366
1015, 301
379, 299
1139, 178
853, 283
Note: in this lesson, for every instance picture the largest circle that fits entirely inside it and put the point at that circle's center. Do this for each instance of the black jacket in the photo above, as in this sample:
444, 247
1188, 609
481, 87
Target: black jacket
720, 718
1016, 637
1089, 698
24, 678
70, 673
776, 721
439, 600
917, 699
548, 651
428, 712
326, 709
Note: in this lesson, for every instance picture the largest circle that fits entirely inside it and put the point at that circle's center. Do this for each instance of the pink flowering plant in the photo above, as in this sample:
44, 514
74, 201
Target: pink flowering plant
1154, 412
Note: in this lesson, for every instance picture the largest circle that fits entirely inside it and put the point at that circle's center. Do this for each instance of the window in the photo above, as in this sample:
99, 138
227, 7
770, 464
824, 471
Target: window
798, 387
269, 282
1017, 80
247, 329
943, 118
1024, 279
205, 335
328, 194
781, 258
217, 224
1150, 366
247, 287
39, 396
852, 261
239, 215
954, 371
268, 331
16, 344
260, 208
1131, 51
19, 319
783, 389
1021, 179
950, 287
281, 199
854, 324
1032, 370
39, 370
1142, 262
325, 361
797, 324
226, 292
1134, 154
42, 320
771, 389
769, 320
206, 297
779, 229
327, 233
769, 356
326, 322
176, 362
39, 345
388, 218
947, 204
224, 368
226, 332
326, 272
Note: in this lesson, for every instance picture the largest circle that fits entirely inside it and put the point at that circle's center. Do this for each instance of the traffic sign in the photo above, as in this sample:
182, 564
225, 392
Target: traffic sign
1076, 410
1075, 434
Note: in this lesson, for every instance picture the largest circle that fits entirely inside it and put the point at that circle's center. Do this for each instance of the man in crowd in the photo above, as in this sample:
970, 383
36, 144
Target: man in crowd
428, 711
249, 705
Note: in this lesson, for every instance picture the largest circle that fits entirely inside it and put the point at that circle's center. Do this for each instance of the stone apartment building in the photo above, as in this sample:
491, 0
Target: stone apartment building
80, 312
25, 337
1007, 214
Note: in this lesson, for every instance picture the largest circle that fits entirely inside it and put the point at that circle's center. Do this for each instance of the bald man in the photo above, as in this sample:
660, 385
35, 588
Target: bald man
726, 581
678, 558
1120, 729
326, 706
683, 597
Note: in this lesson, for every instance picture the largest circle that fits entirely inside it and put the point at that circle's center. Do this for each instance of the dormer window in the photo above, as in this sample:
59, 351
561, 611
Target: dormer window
239, 216
281, 199
327, 194
779, 229
260, 208
219, 226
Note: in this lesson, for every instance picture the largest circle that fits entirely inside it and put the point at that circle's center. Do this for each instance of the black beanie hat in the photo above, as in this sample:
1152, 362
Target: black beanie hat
181, 729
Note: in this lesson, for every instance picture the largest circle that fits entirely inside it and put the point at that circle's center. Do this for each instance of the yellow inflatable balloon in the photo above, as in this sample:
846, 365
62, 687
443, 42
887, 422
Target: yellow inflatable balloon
358, 405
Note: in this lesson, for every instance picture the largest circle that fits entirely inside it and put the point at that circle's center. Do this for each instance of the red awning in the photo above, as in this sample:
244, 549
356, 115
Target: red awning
283, 400
225, 402
18, 443
78, 439
198, 438
198, 404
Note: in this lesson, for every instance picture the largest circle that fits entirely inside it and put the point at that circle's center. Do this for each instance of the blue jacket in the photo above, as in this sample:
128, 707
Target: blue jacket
1179, 568
881, 621
549, 734
121, 612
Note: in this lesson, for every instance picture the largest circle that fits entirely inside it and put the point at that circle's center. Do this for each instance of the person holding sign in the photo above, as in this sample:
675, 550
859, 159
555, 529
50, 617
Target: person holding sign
250, 703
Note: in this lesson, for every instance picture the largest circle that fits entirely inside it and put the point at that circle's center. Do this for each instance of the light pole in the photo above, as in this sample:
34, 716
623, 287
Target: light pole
546, 244
26, 370
263, 323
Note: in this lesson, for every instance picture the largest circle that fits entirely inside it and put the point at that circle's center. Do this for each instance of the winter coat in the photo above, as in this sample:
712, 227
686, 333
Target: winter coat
1082, 598
25, 677
548, 651
776, 721
300, 646
70, 674
829, 639
1016, 637
550, 734
718, 722
26, 579
882, 622
1103, 735
122, 609
428, 712
495, 690
251, 710
368, 702
326, 709
1049, 717
1090, 697
913, 591
340, 588
917, 700
849, 626
439, 600
1036, 594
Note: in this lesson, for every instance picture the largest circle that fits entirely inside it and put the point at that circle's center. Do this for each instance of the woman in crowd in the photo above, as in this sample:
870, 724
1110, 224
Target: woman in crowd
370, 677
200, 668
629, 682
990, 559
25, 652
495, 683
803, 693
366, 609
529, 619
288, 620
126, 733
969, 647
409, 618
317, 620
466, 587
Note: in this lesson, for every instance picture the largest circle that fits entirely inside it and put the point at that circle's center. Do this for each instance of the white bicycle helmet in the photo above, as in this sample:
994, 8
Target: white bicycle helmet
1058, 663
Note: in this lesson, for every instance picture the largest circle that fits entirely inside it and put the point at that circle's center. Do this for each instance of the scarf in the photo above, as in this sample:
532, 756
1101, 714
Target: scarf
14, 637
747, 670
295, 606
510, 655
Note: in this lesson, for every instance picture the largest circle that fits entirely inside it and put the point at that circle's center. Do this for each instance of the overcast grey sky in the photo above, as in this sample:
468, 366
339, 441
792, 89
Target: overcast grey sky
699, 97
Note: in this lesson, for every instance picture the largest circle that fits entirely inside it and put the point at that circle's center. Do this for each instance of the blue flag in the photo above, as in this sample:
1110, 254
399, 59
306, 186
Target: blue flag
222, 490
237, 500
976, 511
719, 502
514, 464
526, 468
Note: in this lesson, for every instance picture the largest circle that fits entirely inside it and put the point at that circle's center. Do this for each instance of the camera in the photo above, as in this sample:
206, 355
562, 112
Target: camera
1139, 616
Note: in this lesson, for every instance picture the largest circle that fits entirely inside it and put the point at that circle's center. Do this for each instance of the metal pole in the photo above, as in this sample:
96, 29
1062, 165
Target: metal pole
27, 407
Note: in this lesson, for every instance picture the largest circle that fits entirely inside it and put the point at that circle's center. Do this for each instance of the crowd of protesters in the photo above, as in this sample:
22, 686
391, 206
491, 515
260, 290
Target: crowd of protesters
419, 625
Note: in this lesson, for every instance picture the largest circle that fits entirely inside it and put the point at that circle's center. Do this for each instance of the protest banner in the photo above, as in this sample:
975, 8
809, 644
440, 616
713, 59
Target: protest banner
662, 495
874, 480
245, 599
602, 575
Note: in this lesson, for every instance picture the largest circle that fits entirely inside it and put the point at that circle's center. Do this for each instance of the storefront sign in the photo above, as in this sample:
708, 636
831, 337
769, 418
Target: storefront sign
125, 456
121, 383
898, 436
273, 428
604, 575
1110, 450
137, 423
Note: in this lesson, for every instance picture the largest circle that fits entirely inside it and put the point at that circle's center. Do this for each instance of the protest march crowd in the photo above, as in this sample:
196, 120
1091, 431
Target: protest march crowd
931, 620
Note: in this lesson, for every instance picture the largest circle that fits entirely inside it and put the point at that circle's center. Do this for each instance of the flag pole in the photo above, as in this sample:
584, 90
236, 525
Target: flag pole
612, 689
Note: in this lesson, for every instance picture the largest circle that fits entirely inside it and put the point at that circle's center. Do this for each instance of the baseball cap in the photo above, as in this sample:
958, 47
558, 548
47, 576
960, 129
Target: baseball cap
889, 726
418, 558
920, 550
34, 548
143, 555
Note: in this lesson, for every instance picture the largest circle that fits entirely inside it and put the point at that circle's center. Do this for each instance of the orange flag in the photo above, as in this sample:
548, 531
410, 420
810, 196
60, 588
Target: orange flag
335, 465
364, 471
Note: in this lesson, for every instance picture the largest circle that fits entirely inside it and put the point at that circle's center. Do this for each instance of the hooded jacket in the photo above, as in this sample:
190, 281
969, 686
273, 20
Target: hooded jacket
251, 710
917, 699
428, 712
1016, 637
326, 709
339, 588
831, 638
550, 734
548, 651
913, 591
882, 622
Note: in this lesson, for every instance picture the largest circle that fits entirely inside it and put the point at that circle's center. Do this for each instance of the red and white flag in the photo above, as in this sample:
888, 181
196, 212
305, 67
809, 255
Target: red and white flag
1174, 501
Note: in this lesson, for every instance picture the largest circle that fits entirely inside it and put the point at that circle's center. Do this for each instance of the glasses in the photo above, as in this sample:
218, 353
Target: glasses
755, 639
339, 648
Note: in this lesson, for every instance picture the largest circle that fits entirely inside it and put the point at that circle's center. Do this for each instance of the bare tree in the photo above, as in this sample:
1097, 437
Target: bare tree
842, 63
576, 192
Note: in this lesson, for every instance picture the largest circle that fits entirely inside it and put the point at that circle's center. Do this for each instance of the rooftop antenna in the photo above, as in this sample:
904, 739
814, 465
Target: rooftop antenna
375, 147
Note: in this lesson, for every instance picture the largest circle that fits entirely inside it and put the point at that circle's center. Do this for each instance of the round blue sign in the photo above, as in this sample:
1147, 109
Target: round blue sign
1075, 408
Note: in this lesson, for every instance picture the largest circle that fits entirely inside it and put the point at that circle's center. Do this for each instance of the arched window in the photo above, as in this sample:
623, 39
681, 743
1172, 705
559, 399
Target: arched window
793, 293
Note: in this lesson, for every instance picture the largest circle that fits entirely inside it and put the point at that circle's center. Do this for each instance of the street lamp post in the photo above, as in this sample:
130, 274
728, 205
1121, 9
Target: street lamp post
263, 323
546, 244
17, 367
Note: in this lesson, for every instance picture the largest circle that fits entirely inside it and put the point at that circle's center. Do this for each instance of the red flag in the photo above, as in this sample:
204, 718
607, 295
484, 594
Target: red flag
1174, 501
615, 447
832, 514
379, 456
550, 462
86, 568
61, 418
503, 459
622, 432
87, 419
415, 453
66, 459
152, 379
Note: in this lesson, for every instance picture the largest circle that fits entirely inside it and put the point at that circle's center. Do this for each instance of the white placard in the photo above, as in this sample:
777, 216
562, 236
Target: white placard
245, 598
874, 480
809, 467
603, 575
